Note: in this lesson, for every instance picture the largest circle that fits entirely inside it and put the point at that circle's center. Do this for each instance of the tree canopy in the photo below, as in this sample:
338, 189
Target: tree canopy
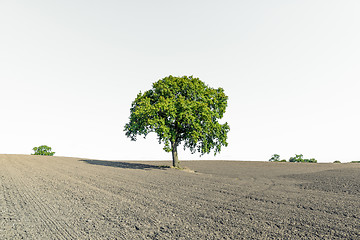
180, 110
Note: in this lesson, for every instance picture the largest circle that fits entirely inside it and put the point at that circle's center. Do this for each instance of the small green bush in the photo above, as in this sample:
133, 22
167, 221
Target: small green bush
43, 150
275, 158
311, 160
299, 158
355, 162
337, 161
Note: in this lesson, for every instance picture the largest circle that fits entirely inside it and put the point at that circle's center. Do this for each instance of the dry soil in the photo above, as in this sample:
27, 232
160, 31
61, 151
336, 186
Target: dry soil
71, 198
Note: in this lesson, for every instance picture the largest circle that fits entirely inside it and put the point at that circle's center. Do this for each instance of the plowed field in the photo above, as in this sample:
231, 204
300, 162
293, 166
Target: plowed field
71, 198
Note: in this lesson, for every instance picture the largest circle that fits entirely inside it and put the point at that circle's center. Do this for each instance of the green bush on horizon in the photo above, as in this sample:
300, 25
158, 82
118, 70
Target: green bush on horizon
276, 158
355, 162
43, 150
299, 158
337, 161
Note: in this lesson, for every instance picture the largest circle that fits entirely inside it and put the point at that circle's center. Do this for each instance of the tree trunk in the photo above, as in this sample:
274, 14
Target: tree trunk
176, 162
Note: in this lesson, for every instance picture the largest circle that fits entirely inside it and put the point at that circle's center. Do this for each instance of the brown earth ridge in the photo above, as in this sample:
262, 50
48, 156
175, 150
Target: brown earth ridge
71, 198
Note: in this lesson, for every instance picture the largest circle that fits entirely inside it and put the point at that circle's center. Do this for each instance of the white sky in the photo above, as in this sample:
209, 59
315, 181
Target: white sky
69, 71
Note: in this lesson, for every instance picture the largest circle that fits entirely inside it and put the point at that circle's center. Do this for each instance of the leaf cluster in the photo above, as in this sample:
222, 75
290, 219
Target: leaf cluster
43, 150
180, 110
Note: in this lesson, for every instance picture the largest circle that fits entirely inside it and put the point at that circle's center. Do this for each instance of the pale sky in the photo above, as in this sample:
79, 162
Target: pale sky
69, 71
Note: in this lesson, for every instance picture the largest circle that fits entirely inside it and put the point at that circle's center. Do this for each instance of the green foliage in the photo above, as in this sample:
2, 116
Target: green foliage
311, 160
275, 158
337, 161
43, 150
299, 158
355, 162
180, 110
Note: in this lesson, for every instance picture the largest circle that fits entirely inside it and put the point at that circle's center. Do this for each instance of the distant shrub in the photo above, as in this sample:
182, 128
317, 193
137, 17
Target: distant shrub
311, 160
43, 150
299, 158
337, 161
355, 162
275, 158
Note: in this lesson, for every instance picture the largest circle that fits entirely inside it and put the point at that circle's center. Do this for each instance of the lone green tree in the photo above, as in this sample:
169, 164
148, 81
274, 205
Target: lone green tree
43, 150
180, 110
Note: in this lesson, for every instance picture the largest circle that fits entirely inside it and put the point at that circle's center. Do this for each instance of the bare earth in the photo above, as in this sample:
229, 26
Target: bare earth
70, 198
